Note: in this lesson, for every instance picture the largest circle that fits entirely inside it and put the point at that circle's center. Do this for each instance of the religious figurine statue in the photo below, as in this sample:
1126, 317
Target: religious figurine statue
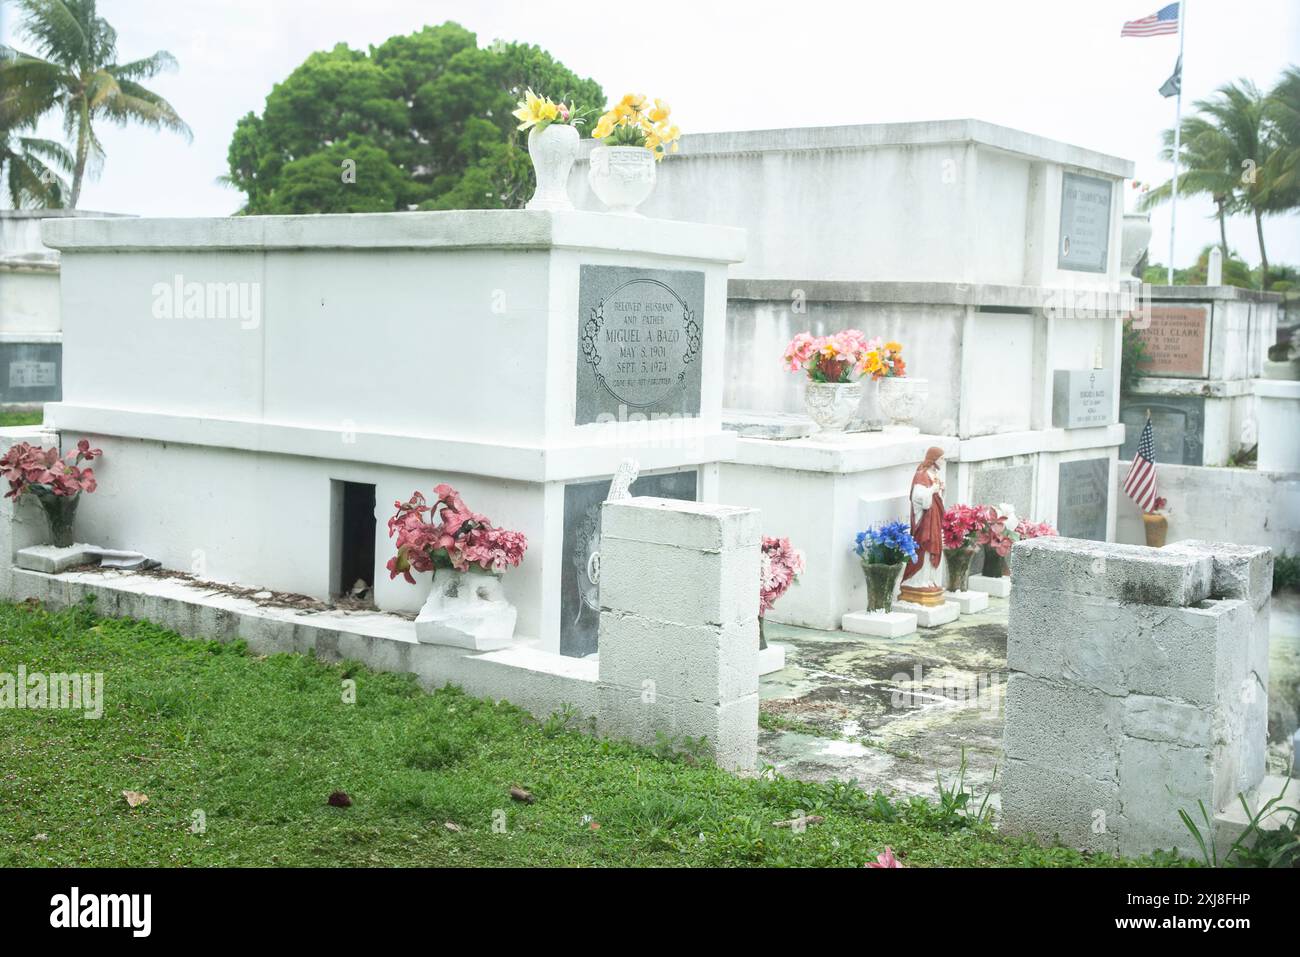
922, 584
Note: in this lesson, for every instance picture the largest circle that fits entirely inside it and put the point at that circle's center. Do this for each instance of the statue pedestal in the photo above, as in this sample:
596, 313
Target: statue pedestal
968, 602
930, 616
999, 587
880, 624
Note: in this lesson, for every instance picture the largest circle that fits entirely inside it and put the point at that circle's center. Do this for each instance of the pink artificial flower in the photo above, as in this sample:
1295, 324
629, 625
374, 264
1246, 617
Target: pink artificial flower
780, 566
42, 472
887, 859
452, 536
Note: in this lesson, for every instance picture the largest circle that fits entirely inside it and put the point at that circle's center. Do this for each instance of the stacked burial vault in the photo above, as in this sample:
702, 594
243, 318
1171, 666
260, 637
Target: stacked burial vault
995, 258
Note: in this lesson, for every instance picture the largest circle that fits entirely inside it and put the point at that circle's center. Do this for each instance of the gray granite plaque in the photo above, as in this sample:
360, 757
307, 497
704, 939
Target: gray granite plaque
640, 341
1083, 496
580, 571
1085, 223
31, 372
1007, 483
1081, 398
1177, 427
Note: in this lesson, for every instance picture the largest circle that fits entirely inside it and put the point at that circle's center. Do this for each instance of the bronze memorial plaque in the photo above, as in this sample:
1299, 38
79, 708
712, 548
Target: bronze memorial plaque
1176, 340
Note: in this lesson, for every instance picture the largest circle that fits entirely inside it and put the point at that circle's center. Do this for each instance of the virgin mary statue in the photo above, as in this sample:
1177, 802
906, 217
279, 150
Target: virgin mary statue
921, 581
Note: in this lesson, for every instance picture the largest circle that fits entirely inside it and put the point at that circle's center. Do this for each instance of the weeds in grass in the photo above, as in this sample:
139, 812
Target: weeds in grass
1256, 846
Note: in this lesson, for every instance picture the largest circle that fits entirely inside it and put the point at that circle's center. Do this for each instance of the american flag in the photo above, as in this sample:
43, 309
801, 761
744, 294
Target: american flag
1164, 20
1140, 485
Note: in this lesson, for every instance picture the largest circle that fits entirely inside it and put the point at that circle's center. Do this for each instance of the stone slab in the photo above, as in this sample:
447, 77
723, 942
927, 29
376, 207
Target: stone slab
928, 616
1083, 498
771, 659
1128, 573
880, 624
52, 560
968, 602
999, 587
1081, 398
767, 425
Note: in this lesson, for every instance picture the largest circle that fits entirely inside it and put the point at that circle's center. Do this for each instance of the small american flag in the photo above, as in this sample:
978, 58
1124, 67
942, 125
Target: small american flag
1164, 20
1140, 485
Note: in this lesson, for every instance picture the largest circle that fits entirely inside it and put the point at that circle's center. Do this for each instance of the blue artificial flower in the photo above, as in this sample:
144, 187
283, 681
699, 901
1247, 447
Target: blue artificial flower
889, 543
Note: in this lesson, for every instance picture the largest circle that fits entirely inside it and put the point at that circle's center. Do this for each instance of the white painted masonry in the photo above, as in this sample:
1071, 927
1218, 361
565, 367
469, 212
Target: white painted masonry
679, 625
1138, 686
398, 350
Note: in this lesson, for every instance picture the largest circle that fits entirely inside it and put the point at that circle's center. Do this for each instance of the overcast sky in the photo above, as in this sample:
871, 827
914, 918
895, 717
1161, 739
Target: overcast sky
1056, 68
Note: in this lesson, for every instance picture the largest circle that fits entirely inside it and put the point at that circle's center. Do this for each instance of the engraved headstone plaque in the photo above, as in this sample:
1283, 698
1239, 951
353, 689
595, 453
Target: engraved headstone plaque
1083, 495
580, 571
640, 341
1013, 484
1177, 341
1085, 223
1177, 426
1081, 398
31, 372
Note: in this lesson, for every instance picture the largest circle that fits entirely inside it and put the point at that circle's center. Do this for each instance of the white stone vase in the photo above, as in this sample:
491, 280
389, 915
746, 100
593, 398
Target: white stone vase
901, 399
553, 151
622, 177
1135, 238
832, 405
468, 610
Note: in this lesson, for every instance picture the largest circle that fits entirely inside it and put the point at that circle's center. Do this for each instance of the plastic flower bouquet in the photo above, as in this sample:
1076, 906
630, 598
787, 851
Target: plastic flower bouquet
451, 536
997, 535
840, 357
962, 525
885, 362
1028, 529
57, 483
634, 122
539, 112
884, 551
780, 565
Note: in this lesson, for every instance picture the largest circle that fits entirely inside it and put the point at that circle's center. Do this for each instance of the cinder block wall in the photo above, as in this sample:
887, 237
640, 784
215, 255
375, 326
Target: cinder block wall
1138, 687
679, 625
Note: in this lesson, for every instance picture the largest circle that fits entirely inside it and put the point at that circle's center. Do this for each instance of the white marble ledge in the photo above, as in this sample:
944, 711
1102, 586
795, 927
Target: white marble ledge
1212, 388
1004, 444
452, 229
847, 452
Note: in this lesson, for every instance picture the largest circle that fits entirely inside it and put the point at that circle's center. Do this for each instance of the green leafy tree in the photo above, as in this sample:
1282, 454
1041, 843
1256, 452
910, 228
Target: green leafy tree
75, 70
1282, 109
434, 103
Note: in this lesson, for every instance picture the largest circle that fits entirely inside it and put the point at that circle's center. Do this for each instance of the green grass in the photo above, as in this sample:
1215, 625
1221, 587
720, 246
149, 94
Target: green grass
9, 417
257, 744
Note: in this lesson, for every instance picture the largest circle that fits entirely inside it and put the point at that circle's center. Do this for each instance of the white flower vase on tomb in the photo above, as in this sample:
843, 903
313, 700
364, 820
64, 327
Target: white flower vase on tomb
832, 405
468, 610
901, 399
1135, 238
622, 177
553, 151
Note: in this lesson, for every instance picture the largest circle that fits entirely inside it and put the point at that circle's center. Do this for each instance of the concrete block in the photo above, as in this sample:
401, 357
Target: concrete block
1062, 726
1130, 574
643, 718
879, 624
679, 584
696, 525
1082, 812
1239, 571
702, 662
1157, 779
968, 602
998, 587
1164, 721
930, 616
52, 559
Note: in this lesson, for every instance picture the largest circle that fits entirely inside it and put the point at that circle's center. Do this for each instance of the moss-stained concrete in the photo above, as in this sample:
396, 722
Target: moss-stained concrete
895, 712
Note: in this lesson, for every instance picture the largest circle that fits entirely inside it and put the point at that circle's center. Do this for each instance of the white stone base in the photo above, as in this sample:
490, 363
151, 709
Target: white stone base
930, 616
880, 624
467, 610
999, 587
770, 659
968, 602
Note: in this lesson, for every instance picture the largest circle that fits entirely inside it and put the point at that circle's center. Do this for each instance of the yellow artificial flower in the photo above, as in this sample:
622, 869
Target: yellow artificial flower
873, 363
604, 126
894, 346
660, 112
533, 109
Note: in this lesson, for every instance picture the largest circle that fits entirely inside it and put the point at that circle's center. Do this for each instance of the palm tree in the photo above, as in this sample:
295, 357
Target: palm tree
1226, 152
29, 165
1283, 111
74, 70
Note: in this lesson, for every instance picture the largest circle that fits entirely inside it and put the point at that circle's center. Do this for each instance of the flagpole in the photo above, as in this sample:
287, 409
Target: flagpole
1178, 132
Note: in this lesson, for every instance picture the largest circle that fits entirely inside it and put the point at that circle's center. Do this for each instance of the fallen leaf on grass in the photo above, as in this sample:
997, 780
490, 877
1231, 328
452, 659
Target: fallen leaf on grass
135, 798
339, 799
453, 827
519, 794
